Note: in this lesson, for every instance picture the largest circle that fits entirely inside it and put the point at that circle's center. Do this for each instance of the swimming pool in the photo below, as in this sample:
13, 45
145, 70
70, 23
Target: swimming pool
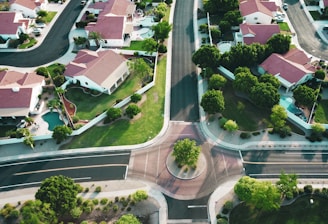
288, 103
147, 34
147, 21
53, 119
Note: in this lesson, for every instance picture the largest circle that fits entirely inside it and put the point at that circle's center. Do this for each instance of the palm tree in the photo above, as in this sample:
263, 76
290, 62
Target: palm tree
29, 120
95, 36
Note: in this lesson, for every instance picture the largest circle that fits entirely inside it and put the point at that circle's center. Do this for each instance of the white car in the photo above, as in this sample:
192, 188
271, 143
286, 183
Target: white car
40, 25
285, 6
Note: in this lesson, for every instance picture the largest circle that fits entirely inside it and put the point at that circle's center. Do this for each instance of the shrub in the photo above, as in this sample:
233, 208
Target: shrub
140, 195
86, 190
245, 135
162, 48
43, 71
222, 221
76, 213
228, 205
115, 208
98, 189
132, 110
106, 209
79, 201
136, 97
75, 119
222, 122
95, 201
308, 189
103, 201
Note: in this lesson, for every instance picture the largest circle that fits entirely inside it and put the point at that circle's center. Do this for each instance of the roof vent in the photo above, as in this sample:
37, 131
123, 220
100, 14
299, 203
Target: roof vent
15, 89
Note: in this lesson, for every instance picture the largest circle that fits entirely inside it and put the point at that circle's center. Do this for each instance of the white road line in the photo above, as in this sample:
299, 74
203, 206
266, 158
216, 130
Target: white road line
126, 172
278, 174
158, 157
66, 168
303, 153
287, 163
33, 183
146, 163
64, 158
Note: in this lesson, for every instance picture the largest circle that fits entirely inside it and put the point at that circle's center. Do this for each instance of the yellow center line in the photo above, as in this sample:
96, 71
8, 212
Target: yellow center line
67, 168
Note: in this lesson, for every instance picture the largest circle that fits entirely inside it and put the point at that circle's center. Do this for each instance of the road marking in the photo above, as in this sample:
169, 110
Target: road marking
278, 174
302, 153
158, 157
287, 163
34, 183
64, 158
146, 163
197, 206
126, 172
67, 168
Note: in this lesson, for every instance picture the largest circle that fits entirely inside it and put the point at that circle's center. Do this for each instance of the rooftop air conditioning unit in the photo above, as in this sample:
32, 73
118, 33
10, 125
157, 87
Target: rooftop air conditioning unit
15, 89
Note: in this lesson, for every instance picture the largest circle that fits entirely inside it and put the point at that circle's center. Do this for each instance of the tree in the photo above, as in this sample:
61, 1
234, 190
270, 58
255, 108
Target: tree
186, 152
150, 45
265, 95
279, 43
139, 195
305, 95
244, 81
113, 114
132, 110
76, 212
212, 101
267, 78
216, 82
278, 117
231, 126
215, 34
29, 141
58, 80
162, 30
61, 132
217, 6
287, 184
128, 218
96, 36
160, 11
37, 212
234, 17
136, 97
320, 74
141, 69
29, 120
261, 194
43, 71
60, 192
225, 26
80, 41
42, 13
207, 56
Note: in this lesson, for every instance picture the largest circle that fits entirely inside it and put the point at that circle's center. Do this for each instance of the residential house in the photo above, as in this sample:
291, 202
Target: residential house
12, 24
292, 68
19, 93
323, 4
258, 11
29, 8
114, 23
255, 33
103, 71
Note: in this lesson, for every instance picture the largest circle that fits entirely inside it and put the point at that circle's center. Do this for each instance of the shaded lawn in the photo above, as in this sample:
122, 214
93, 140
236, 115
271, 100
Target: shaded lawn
315, 15
135, 45
5, 128
126, 132
247, 115
89, 106
321, 113
299, 212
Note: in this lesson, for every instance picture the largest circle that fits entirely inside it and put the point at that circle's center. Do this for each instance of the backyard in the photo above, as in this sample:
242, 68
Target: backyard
299, 212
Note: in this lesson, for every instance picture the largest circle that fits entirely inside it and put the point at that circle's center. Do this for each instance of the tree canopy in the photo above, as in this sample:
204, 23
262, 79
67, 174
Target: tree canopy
212, 101
279, 43
35, 211
60, 192
186, 152
61, 132
162, 30
128, 219
278, 117
305, 95
140, 68
270, 79
265, 95
244, 81
261, 194
216, 82
231, 126
287, 184
150, 45
207, 56
217, 6
113, 114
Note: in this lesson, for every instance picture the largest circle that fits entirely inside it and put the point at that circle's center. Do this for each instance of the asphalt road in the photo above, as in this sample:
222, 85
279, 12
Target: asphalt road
306, 34
269, 164
184, 96
87, 167
54, 45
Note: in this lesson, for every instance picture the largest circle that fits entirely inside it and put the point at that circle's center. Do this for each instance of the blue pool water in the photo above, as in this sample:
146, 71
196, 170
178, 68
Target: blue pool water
147, 34
52, 118
288, 104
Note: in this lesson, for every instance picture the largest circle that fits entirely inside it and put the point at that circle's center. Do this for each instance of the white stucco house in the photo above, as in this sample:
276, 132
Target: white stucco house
258, 11
103, 71
19, 93
12, 24
291, 69
29, 8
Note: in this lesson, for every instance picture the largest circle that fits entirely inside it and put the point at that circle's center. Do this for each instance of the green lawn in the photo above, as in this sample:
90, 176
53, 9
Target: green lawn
299, 212
284, 27
247, 115
31, 43
89, 106
5, 128
315, 15
126, 132
135, 45
50, 16
321, 113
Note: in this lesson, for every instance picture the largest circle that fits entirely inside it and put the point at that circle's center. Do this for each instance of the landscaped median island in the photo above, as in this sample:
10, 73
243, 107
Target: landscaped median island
280, 202
60, 200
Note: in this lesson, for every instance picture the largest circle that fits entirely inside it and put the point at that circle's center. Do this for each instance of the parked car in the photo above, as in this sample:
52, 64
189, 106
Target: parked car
40, 25
325, 27
21, 124
285, 6
36, 31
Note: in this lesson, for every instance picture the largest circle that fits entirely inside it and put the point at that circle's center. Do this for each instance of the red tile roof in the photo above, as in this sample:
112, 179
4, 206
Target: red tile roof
11, 99
119, 7
110, 27
248, 7
287, 67
13, 78
97, 69
260, 33
7, 23
30, 4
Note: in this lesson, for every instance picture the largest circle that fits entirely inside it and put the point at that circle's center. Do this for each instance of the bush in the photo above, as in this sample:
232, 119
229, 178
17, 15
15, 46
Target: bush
228, 205
222, 121
79, 201
43, 71
75, 119
95, 201
115, 208
308, 189
136, 98
98, 189
222, 221
76, 213
86, 190
132, 110
103, 201
162, 48
245, 135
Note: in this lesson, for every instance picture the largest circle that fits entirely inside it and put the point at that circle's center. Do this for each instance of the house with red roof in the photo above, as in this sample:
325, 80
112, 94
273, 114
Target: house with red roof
114, 22
292, 68
103, 71
323, 4
258, 11
29, 8
256, 33
19, 93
